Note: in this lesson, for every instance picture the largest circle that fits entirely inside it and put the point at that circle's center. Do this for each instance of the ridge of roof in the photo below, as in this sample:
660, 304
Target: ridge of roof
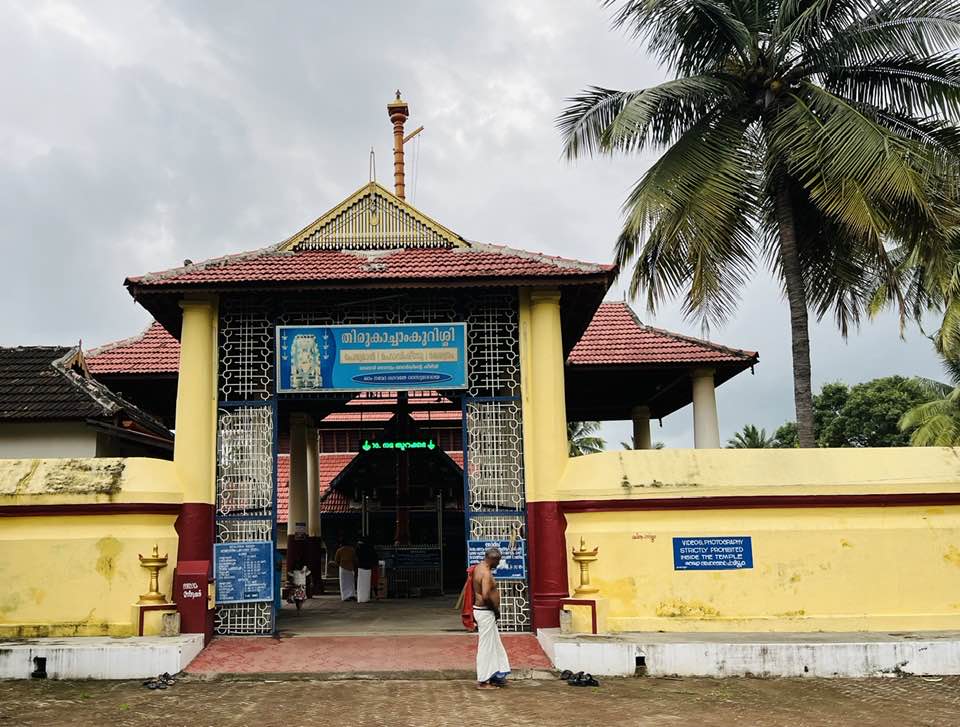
98, 358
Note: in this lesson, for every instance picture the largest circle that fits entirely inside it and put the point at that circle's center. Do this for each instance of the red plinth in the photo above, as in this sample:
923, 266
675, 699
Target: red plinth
194, 528
547, 544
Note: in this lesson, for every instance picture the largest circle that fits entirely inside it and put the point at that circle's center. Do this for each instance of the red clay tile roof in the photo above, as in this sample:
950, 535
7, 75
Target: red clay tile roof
475, 261
283, 487
152, 352
616, 336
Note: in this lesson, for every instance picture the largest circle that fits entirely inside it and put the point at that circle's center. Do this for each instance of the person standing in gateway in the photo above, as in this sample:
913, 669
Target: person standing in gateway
346, 560
492, 663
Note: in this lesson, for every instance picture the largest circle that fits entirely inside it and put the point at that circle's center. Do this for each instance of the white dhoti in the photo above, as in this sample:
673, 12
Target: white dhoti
491, 656
363, 584
347, 589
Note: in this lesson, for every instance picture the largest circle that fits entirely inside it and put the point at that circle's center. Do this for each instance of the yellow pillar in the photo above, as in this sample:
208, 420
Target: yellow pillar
544, 406
641, 427
706, 427
313, 483
194, 449
545, 452
298, 508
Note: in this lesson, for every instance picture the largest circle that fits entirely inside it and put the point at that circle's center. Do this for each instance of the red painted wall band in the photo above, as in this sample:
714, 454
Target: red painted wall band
195, 531
735, 502
547, 544
106, 508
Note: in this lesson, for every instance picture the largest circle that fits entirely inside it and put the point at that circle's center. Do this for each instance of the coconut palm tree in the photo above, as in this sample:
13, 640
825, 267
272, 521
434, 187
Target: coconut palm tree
937, 423
751, 438
583, 438
812, 135
632, 444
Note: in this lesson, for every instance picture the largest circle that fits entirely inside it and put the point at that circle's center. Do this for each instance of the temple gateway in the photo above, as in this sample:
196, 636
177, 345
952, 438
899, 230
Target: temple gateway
377, 376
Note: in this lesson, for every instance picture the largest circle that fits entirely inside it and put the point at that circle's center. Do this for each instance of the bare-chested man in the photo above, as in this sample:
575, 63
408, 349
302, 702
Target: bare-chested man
492, 664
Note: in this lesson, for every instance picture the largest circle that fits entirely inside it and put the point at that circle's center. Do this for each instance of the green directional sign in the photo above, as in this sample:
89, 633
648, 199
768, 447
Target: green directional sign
401, 445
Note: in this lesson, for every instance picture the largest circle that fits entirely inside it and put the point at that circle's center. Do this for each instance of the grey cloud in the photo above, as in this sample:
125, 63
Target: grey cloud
140, 134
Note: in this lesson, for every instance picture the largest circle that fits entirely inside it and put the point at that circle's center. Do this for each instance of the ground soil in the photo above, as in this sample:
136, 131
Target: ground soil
642, 701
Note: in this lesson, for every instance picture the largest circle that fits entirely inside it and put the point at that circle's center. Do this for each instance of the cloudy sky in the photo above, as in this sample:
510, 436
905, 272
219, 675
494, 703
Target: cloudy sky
137, 134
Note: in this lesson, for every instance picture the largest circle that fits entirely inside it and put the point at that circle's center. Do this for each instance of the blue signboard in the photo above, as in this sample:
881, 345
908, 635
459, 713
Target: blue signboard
726, 552
361, 358
243, 571
513, 564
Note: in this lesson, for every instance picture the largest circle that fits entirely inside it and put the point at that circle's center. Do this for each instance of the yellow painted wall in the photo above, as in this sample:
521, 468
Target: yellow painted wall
79, 575
835, 568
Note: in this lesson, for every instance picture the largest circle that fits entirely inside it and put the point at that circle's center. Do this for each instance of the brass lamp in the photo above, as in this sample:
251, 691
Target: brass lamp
153, 563
584, 558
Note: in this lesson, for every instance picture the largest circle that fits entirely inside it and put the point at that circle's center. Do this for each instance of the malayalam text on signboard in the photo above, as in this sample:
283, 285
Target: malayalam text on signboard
366, 357
725, 552
243, 571
513, 563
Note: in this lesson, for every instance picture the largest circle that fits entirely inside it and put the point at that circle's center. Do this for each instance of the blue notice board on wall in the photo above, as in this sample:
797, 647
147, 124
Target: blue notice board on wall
513, 563
724, 552
243, 571
403, 357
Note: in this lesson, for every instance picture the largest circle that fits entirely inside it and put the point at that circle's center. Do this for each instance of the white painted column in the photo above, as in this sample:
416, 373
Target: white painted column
706, 427
641, 427
298, 473
313, 483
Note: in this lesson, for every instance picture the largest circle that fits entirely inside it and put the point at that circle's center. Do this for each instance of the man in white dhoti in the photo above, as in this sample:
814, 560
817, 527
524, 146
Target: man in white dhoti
346, 560
492, 663
366, 562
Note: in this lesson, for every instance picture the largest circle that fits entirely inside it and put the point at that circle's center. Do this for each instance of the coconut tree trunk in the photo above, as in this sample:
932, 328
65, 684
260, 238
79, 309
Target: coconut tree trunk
797, 299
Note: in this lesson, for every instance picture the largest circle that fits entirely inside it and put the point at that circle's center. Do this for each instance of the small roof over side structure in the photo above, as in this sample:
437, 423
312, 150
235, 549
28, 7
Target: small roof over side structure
52, 383
620, 363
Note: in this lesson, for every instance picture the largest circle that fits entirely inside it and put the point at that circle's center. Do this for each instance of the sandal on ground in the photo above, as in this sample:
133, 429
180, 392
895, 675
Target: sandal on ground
566, 674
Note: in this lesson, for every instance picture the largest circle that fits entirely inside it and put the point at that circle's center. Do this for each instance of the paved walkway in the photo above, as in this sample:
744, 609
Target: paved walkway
634, 702
385, 656
329, 616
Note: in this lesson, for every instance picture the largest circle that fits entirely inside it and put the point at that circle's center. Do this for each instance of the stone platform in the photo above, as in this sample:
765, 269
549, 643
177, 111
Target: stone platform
755, 654
95, 657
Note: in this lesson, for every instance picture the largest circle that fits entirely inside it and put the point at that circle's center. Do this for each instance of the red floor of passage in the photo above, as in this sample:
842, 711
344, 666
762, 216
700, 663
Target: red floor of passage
326, 654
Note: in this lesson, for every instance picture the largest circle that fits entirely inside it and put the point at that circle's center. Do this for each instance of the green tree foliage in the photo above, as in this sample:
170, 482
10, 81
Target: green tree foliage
816, 136
583, 438
632, 445
751, 438
863, 415
936, 423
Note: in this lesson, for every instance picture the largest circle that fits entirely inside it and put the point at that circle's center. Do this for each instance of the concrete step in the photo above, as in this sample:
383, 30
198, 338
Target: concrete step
934, 653
95, 657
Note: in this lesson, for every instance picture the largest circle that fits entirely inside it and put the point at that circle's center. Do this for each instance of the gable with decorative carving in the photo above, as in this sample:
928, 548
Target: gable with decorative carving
373, 219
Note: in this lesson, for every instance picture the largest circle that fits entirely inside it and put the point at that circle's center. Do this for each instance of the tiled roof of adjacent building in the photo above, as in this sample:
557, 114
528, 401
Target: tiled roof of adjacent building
472, 262
154, 351
616, 337
49, 383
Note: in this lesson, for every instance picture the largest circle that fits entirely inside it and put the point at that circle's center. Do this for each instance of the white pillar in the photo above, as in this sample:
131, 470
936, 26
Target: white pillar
298, 473
641, 427
706, 428
313, 483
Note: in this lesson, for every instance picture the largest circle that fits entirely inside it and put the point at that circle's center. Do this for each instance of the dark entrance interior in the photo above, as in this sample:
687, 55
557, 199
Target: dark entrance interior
391, 473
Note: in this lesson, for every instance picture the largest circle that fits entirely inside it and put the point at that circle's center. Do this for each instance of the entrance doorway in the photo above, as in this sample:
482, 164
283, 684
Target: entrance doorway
389, 473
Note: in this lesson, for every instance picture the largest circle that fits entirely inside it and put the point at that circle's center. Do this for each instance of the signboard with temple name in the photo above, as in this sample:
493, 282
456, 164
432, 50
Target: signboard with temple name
243, 571
394, 357
724, 552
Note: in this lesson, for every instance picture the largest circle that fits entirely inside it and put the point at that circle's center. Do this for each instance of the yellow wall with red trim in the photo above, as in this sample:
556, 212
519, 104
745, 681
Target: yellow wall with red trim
79, 575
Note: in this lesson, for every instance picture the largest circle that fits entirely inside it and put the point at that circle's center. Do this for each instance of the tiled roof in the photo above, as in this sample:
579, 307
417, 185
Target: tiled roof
472, 262
331, 465
31, 387
152, 352
616, 336
48, 383
283, 487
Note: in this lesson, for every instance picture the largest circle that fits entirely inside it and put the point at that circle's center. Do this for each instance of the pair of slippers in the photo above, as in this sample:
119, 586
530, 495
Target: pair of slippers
161, 682
579, 679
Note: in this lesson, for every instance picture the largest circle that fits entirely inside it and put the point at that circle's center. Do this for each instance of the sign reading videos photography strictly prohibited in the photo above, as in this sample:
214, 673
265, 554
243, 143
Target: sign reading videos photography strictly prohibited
724, 552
